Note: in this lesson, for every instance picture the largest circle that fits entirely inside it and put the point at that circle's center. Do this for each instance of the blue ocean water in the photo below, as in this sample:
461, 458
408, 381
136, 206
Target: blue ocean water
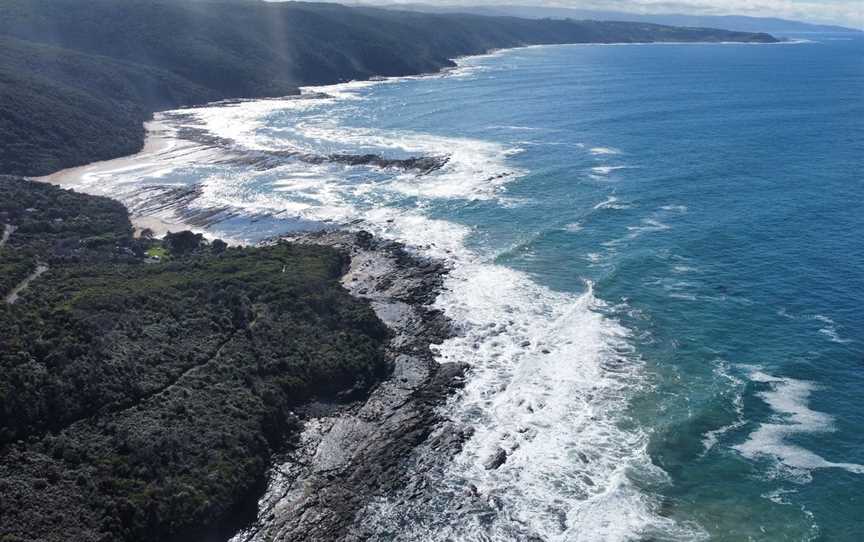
657, 255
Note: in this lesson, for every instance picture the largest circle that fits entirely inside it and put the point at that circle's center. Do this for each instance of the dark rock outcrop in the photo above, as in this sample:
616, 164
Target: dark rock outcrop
498, 458
347, 457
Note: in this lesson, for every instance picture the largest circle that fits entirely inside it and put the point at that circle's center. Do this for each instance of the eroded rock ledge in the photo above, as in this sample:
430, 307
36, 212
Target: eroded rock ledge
348, 455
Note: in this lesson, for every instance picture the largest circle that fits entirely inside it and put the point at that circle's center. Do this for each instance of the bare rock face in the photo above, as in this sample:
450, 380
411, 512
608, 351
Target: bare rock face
498, 458
346, 456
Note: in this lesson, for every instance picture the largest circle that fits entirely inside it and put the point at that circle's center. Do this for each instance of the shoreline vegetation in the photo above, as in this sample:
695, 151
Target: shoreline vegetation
146, 400
78, 79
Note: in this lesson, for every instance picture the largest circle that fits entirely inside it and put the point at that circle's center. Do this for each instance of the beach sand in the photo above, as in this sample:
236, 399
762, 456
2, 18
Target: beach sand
159, 140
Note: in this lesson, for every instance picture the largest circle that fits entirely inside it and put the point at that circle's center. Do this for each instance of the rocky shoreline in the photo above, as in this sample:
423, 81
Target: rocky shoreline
321, 392
357, 447
349, 454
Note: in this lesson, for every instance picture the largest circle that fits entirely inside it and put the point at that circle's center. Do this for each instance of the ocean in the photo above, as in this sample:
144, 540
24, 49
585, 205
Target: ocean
657, 276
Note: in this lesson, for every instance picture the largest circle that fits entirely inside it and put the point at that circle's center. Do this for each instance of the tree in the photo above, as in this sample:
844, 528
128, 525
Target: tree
184, 242
218, 246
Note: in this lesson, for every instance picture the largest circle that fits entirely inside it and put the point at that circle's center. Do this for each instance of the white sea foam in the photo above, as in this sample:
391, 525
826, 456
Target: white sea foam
475, 169
606, 170
676, 288
827, 326
242, 121
350, 90
833, 336
476, 156
612, 202
515, 128
829, 330
676, 208
298, 185
296, 174
599, 151
732, 386
789, 398
785, 314
549, 383
648, 225
118, 178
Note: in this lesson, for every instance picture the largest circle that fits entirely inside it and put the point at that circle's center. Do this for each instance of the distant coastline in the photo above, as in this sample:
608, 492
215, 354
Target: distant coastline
92, 104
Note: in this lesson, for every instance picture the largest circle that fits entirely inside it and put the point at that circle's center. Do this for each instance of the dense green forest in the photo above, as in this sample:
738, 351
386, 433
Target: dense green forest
77, 78
142, 400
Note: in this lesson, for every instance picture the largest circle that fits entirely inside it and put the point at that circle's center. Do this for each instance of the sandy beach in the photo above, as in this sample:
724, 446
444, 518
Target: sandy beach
158, 141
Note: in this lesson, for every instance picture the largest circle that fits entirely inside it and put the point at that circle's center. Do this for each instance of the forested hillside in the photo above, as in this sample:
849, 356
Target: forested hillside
142, 401
78, 78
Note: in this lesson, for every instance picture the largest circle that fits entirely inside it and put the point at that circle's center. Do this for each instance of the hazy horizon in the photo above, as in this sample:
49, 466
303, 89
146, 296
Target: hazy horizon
835, 12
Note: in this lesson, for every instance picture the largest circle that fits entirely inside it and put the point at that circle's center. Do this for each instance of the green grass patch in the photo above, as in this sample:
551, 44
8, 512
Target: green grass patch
158, 252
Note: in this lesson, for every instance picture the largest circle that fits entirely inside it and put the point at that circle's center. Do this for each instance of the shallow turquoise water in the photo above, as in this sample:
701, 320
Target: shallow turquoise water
658, 259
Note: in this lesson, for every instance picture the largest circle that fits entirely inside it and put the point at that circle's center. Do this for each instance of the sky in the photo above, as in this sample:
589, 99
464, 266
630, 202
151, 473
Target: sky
842, 12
